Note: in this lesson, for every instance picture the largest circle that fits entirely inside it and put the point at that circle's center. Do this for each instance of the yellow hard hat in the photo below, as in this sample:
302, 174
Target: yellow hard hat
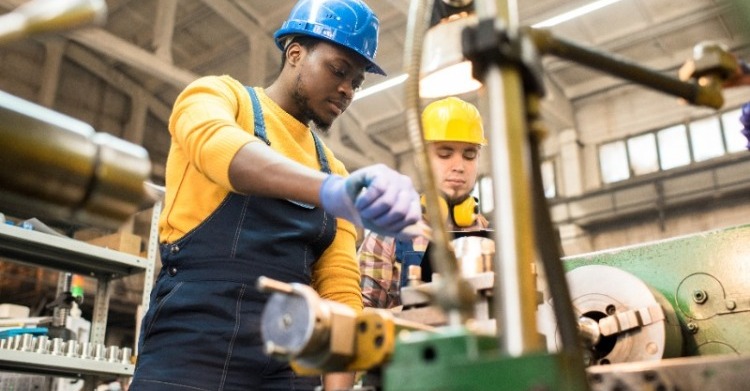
452, 119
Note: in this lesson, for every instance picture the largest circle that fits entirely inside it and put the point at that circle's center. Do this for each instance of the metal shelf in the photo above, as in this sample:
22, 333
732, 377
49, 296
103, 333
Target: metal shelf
41, 249
57, 365
69, 255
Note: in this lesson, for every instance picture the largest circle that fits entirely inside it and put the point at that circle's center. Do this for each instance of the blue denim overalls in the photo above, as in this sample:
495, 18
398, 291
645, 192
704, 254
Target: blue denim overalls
202, 329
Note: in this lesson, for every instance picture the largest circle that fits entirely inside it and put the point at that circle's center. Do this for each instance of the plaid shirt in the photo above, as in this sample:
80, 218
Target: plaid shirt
381, 270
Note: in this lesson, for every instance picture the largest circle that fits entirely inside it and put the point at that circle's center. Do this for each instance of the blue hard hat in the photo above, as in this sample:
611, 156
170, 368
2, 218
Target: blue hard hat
349, 23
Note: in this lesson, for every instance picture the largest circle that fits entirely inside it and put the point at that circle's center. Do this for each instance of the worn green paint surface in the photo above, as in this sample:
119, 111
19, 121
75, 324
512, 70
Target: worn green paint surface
458, 361
706, 279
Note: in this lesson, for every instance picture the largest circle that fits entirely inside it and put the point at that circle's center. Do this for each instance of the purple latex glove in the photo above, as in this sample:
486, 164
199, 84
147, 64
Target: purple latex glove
745, 120
375, 197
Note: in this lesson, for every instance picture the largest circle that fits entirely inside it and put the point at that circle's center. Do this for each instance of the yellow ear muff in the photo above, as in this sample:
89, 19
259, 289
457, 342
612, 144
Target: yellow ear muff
443, 206
465, 213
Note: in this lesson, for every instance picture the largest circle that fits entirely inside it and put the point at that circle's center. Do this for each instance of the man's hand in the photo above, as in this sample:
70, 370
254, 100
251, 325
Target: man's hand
745, 121
375, 197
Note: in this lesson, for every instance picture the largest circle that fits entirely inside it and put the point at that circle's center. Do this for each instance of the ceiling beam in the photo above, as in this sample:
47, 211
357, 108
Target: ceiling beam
164, 29
116, 48
255, 35
54, 51
400, 5
135, 128
112, 46
387, 122
235, 16
117, 80
647, 35
352, 158
602, 82
257, 18
361, 139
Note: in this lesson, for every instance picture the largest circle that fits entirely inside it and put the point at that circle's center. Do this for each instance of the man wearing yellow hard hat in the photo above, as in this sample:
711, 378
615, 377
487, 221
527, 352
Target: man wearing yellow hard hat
454, 136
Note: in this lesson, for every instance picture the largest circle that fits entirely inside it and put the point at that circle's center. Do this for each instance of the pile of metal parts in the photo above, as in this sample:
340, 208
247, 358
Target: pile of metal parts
41, 354
71, 348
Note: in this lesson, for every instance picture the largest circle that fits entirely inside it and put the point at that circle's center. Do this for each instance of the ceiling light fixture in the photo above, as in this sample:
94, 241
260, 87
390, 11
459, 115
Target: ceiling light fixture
564, 17
445, 71
380, 86
580, 11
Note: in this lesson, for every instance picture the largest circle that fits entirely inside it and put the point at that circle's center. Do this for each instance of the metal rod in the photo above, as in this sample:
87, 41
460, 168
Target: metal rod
549, 246
269, 285
547, 43
57, 167
514, 290
412, 326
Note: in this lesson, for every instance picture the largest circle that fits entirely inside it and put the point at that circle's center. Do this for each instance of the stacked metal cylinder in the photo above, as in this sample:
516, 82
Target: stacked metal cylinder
71, 348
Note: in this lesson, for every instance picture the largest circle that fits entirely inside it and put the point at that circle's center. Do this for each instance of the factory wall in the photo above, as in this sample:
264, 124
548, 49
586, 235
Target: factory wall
617, 114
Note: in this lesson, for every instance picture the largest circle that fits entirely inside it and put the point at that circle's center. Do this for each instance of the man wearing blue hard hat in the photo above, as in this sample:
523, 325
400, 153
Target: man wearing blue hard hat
251, 191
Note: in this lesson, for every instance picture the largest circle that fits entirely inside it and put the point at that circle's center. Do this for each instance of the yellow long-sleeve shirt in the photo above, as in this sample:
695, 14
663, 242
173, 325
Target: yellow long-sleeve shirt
211, 120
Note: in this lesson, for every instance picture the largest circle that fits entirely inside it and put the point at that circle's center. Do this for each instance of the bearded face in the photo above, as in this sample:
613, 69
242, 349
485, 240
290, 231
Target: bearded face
327, 75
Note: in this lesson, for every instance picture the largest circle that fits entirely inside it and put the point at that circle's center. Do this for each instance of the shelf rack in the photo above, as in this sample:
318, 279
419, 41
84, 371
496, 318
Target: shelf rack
69, 255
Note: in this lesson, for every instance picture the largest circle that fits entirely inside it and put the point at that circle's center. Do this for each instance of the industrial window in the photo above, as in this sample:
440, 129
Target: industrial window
671, 147
548, 179
486, 196
706, 139
643, 156
730, 123
674, 150
613, 161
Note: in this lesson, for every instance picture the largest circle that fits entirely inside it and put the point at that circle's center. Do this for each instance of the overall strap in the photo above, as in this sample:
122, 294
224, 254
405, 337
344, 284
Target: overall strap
260, 124
260, 131
322, 159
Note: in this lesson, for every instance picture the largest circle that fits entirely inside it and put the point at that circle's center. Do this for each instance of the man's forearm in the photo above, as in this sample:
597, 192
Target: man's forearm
259, 170
338, 381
